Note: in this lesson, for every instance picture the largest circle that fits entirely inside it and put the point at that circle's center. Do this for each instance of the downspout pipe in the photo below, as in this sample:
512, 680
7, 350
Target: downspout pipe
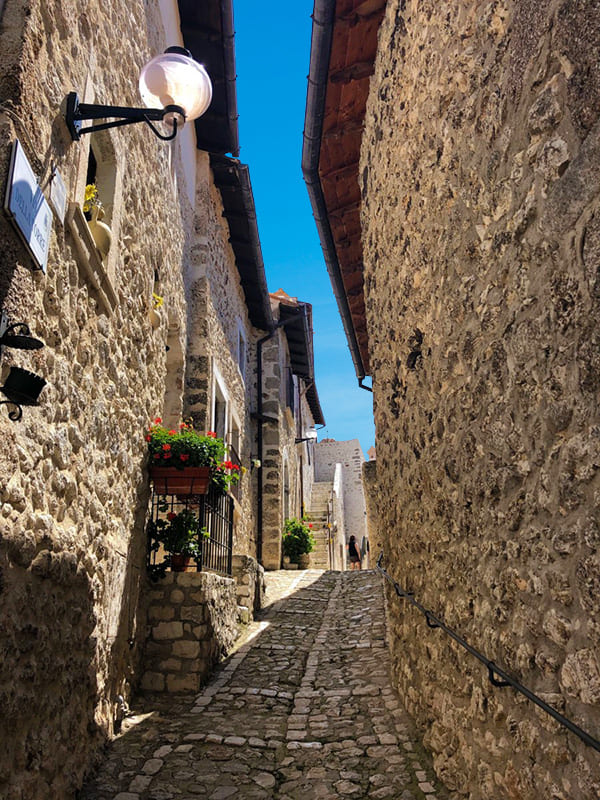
320, 53
259, 436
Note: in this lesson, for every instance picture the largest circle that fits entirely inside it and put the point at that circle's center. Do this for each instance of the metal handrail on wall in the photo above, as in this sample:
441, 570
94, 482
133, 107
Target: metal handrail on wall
497, 676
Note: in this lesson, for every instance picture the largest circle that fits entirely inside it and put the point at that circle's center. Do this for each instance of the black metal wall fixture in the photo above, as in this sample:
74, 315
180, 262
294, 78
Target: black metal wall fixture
22, 387
497, 676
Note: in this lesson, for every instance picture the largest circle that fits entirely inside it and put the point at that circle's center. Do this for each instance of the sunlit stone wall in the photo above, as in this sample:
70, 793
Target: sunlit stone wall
73, 484
481, 229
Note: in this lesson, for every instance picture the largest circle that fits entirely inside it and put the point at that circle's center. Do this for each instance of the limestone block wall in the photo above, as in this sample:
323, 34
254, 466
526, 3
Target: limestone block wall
217, 312
349, 454
250, 583
280, 463
338, 531
480, 173
192, 625
73, 485
372, 501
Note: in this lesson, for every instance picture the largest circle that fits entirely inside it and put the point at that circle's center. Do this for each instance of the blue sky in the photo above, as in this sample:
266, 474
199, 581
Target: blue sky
272, 55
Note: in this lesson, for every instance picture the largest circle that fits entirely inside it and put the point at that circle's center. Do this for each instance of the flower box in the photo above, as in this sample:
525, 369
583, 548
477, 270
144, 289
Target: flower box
182, 482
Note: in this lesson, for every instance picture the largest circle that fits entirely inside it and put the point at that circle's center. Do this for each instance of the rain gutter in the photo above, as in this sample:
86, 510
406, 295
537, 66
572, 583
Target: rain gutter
320, 54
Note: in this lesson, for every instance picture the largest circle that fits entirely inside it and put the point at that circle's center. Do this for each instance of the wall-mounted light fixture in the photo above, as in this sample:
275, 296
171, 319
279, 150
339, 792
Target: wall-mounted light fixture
21, 387
174, 87
311, 436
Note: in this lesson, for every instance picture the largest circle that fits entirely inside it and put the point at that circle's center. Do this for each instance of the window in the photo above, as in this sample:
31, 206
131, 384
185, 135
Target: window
219, 406
290, 394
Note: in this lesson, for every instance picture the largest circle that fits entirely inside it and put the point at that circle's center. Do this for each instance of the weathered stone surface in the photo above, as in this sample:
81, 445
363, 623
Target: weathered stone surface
181, 652
199, 746
480, 175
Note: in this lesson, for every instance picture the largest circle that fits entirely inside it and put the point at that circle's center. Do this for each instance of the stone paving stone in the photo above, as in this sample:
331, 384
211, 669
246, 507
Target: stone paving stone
302, 709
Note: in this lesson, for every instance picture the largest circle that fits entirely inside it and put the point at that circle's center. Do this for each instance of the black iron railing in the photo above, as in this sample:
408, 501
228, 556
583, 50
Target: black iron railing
497, 676
214, 530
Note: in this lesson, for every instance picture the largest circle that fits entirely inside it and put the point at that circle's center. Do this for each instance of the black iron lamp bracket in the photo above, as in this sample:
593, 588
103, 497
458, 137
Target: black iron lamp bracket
17, 336
21, 387
77, 113
16, 413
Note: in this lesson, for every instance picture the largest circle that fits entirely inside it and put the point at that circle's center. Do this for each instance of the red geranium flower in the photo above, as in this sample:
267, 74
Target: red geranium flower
228, 464
184, 456
166, 447
167, 455
148, 438
172, 433
236, 467
171, 515
156, 455
157, 420
310, 524
212, 434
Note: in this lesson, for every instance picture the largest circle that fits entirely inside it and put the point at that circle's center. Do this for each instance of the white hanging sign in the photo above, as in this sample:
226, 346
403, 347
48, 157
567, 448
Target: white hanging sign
26, 206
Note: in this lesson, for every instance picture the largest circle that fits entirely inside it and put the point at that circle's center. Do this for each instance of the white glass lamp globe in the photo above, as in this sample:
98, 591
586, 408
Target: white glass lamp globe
174, 78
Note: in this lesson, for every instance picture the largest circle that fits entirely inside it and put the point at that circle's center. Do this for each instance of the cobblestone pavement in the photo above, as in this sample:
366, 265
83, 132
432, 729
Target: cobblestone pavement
302, 709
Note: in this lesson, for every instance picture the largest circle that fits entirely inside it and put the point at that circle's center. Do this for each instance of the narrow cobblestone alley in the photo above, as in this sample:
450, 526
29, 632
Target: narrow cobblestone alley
302, 709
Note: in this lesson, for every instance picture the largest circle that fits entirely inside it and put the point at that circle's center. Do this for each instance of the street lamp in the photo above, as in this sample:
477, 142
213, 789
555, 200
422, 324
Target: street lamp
174, 87
311, 436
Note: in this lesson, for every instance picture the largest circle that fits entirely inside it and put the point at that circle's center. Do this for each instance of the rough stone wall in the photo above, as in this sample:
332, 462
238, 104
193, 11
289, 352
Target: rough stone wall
349, 454
72, 481
284, 463
338, 521
217, 311
481, 229
372, 503
192, 625
250, 579
279, 452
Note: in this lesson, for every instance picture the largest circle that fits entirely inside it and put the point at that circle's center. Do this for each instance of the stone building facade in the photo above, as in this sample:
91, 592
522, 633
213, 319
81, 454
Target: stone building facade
73, 482
349, 455
479, 183
291, 409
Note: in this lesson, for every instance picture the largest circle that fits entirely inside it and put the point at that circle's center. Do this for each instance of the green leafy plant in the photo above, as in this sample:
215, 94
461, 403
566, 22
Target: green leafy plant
184, 447
297, 538
177, 533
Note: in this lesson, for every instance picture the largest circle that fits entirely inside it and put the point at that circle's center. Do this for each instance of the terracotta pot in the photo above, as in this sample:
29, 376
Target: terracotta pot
179, 562
182, 482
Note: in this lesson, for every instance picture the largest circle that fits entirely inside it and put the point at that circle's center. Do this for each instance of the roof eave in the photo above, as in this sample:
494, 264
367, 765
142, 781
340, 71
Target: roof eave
322, 37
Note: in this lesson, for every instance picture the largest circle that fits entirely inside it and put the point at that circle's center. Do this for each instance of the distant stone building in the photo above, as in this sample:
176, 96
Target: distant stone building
452, 158
289, 411
349, 455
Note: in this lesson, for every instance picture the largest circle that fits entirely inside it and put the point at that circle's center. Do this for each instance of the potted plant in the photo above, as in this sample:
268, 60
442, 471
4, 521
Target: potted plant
298, 540
179, 534
186, 462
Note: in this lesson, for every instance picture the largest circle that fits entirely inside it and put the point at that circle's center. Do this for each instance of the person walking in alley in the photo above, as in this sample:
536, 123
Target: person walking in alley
353, 553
